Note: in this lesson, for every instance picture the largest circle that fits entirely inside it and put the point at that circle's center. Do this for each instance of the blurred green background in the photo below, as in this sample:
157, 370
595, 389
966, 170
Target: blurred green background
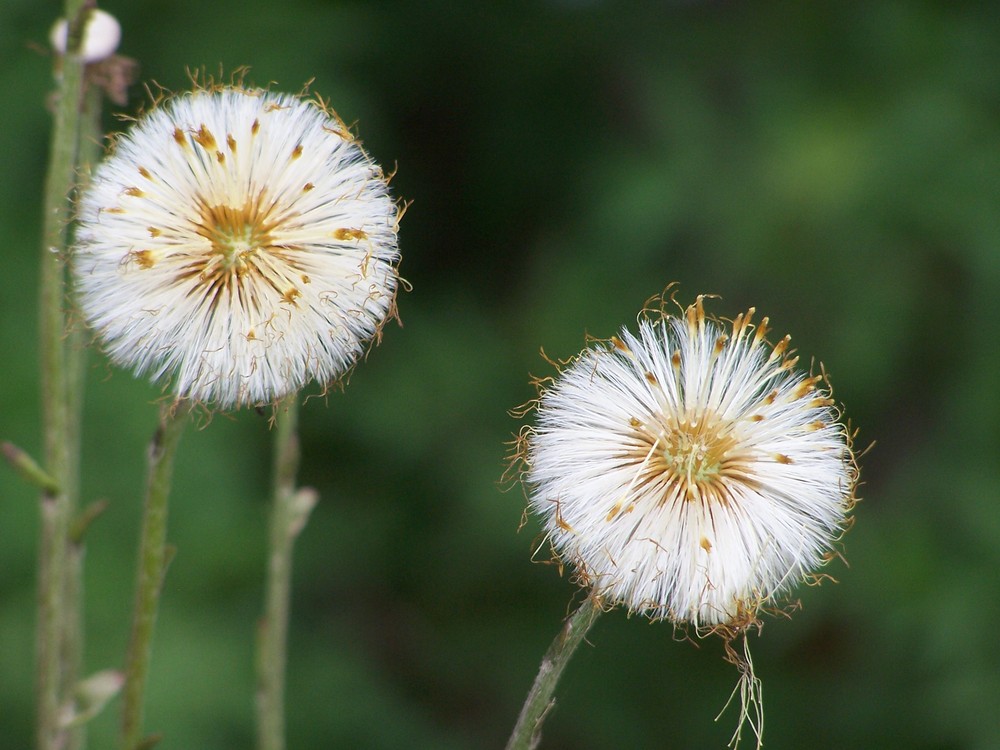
835, 165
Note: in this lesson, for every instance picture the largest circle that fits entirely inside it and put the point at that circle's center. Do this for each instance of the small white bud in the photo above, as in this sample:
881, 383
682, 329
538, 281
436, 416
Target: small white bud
100, 36
91, 695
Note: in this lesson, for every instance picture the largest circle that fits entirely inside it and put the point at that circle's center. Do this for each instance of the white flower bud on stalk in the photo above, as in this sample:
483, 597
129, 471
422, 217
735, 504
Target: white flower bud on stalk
101, 36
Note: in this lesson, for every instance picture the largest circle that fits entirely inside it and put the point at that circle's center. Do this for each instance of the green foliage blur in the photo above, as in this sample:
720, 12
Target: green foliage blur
835, 165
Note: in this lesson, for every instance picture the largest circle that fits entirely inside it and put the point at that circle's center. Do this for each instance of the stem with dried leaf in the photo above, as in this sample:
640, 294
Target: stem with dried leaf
57, 636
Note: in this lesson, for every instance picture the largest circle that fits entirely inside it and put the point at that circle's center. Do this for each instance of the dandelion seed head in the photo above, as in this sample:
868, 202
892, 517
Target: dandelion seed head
690, 472
238, 244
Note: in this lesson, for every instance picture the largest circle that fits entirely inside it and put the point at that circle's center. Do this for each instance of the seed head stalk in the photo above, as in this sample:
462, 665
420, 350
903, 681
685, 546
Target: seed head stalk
153, 559
289, 512
528, 730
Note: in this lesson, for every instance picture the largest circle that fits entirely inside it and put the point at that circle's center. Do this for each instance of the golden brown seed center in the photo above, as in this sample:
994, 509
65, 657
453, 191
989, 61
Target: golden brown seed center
693, 455
236, 234
694, 458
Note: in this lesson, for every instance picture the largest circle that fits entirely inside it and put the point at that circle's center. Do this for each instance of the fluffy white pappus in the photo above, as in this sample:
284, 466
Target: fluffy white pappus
690, 473
238, 244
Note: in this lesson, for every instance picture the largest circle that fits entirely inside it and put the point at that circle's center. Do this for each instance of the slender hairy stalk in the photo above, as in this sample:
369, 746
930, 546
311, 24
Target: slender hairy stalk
289, 512
58, 503
528, 730
88, 152
153, 560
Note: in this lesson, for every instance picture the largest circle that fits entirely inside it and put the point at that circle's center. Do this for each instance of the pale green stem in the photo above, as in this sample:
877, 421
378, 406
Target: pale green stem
289, 512
153, 559
72, 656
88, 153
528, 731
58, 504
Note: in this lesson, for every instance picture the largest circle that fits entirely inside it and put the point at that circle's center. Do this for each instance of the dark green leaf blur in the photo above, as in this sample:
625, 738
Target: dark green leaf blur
837, 166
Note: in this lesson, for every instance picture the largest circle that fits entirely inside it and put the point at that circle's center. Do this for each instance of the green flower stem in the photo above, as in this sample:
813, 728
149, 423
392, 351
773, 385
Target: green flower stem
72, 637
528, 730
289, 512
153, 559
58, 507
88, 153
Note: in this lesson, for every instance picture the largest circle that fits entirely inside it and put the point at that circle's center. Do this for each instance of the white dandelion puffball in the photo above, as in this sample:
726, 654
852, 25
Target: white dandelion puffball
690, 473
238, 244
